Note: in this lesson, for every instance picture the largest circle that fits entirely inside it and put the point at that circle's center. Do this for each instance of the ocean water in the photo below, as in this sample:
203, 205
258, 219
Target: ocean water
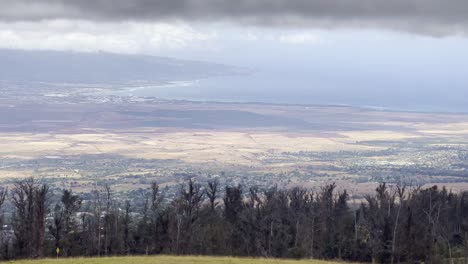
297, 88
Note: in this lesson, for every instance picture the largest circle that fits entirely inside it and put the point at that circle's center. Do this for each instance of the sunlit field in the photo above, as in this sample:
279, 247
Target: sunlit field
171, 260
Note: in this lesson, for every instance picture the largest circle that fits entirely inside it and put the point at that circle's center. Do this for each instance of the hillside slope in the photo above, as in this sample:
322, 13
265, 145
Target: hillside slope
108, 68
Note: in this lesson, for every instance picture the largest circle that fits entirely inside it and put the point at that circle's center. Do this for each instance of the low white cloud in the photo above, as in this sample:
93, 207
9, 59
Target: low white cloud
300, 38
118, 37
252, 36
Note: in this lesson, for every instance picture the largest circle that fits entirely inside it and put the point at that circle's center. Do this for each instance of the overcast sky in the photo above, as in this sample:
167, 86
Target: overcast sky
149, 26
418, 45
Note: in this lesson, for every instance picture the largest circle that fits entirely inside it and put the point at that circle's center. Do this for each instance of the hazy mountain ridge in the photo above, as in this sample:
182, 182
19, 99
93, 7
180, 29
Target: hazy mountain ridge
108, 68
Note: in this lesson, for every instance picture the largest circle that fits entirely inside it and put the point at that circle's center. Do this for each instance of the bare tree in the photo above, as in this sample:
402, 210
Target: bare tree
97, 226
126, 226
212, 193
3, 240
108, 200
41, 211
30, 201
401, 199
188, 205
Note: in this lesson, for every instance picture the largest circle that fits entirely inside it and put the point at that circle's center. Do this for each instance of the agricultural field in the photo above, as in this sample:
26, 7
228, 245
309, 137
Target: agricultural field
170, 260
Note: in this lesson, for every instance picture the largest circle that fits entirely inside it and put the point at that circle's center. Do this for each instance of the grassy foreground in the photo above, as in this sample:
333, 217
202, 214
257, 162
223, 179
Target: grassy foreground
169, 260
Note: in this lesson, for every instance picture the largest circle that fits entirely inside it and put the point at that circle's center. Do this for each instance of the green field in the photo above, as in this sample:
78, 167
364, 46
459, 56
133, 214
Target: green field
170, 260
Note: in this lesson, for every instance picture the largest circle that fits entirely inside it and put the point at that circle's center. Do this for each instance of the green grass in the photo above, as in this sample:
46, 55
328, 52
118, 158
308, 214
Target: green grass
169, 260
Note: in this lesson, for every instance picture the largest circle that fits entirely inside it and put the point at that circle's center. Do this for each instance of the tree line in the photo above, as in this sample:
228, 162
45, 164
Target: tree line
394, 225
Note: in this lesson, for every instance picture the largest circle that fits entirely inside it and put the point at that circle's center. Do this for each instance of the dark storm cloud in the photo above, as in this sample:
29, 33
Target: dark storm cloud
437, 17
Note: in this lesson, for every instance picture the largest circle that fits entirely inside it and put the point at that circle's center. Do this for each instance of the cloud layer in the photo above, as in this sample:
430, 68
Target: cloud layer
89, 36
436, 17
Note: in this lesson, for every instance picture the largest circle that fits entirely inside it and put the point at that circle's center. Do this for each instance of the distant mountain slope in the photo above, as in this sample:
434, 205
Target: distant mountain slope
92, 68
